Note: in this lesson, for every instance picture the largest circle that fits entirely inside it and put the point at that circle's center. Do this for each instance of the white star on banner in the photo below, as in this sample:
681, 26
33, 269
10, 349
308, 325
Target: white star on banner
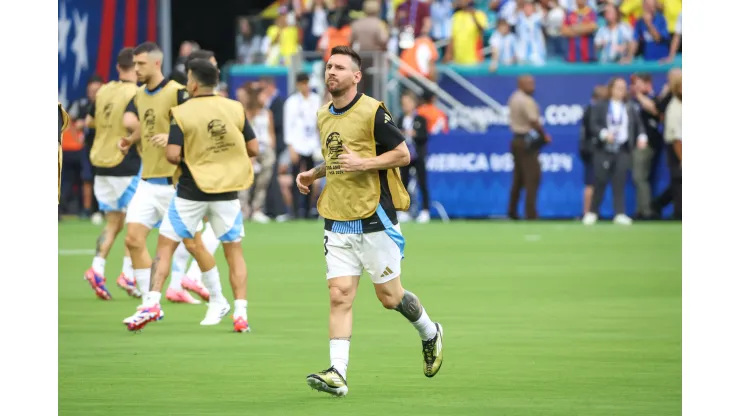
79, 44
63, 26
63, 93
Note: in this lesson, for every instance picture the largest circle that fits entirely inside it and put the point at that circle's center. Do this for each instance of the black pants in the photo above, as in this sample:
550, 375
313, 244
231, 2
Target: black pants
674, 190
610, 167
421, 174
301, 203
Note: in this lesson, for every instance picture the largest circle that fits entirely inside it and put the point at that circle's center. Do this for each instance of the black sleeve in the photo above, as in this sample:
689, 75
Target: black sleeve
176, 135
131, 108
182, 96
597, 119
387, 135
662, 104
247, 131
91, 112
61, 125
89, 138
420, 127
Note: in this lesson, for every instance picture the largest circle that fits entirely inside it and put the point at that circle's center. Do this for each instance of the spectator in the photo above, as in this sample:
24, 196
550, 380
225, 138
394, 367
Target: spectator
281, 40
646, 160
436, 119
529, 34
573, 5
613, 40
619, 128
409, 20
248, 43
674, 139
586, 146
262, 122
651, 34
422, 57
503, 46
441, 16
315, 23
468, 25
369, 35
272, 99
186, 48
529, 136
580, 26
675, 42
338, 34
303, 142
672, 11
554, 19
510, 11
414, 128
662, 102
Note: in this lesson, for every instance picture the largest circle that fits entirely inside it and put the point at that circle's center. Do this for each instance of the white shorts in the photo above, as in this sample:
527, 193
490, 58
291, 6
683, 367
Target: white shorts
114, 193
379, 253
184, 217
149, 205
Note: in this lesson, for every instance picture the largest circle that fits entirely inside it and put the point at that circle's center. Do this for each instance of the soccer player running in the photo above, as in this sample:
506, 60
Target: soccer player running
211, 142
116, 174
362, 151
151, 104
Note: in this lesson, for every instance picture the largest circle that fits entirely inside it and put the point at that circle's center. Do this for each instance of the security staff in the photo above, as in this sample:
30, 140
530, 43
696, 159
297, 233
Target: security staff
63, 123
586, 147
210, 142
529, 137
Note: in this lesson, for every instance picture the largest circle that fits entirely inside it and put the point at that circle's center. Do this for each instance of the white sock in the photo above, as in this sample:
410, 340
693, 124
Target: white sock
194, 272
339, 355
179, 263
212, 282
240, 308
98, 265
143, 277
152, 298
427, 329
128, 268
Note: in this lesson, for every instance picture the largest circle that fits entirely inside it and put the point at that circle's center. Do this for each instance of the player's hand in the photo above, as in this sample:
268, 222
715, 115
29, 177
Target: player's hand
124, 145
642, 144
610, 138
350, 162
304, 180
159, 140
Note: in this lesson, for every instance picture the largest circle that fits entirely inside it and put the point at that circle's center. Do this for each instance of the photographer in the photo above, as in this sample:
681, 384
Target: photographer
586, 146
646, 160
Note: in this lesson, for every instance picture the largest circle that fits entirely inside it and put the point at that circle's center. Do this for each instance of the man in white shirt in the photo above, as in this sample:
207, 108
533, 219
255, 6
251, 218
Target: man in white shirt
302, 137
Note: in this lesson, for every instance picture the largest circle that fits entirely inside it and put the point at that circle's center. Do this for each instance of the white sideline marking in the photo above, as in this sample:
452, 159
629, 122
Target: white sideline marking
533, 237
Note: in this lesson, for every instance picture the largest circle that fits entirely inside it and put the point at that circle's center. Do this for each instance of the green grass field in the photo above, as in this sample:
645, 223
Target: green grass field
548, 319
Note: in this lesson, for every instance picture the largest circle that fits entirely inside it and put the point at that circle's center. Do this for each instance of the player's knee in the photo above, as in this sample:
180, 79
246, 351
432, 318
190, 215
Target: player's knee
135, 242
389, 300
341, 295
190, 245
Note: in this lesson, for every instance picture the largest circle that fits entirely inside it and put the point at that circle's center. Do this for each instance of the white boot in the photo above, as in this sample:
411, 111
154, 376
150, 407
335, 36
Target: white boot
590, 218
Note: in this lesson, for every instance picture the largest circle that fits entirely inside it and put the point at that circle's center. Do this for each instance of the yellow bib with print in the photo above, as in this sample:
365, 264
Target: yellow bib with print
110, 104
154, 118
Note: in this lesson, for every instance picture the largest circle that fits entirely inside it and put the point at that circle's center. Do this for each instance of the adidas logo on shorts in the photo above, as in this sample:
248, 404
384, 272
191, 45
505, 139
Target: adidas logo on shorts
387, 272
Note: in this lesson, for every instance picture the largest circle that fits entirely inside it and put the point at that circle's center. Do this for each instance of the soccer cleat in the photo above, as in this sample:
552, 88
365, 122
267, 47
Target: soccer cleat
196, 287
129, 285
97, 282
181, 296
216, 311
328, 381
143, 316
432, 352
241, 324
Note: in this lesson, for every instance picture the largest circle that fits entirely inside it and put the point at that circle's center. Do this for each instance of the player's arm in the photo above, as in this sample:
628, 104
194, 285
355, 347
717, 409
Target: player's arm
387, 136
175, 141
131, 122
253, 146
90, 118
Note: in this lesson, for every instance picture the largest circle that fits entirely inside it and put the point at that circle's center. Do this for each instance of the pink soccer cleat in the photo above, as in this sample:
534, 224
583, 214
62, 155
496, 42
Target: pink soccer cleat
241, 325
181, 296
143, 316
97, 282
196, 287
129, 285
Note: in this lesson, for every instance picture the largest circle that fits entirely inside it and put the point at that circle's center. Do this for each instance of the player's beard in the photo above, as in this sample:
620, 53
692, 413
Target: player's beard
338, 89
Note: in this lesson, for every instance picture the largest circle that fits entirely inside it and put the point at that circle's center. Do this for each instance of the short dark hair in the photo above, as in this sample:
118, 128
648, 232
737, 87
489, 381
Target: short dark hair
302, 77
205, 72
200, 54
147, 47
126, 58
410, 94
346, 50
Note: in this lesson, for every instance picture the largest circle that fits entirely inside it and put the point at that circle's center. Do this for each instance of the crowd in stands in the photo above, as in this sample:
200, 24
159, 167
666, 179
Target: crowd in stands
506, 32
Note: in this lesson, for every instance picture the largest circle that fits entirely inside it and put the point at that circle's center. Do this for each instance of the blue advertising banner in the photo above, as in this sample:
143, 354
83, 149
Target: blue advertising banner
470, 169
92, 32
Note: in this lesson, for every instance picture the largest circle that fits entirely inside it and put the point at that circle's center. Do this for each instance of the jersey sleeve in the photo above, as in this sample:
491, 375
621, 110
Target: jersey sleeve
387, 135
247, 131
182, 96
131, 107
176, 135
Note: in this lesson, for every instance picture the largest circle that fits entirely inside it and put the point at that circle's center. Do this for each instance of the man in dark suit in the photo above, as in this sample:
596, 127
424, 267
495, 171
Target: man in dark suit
586, 145
274, 205
617, 125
